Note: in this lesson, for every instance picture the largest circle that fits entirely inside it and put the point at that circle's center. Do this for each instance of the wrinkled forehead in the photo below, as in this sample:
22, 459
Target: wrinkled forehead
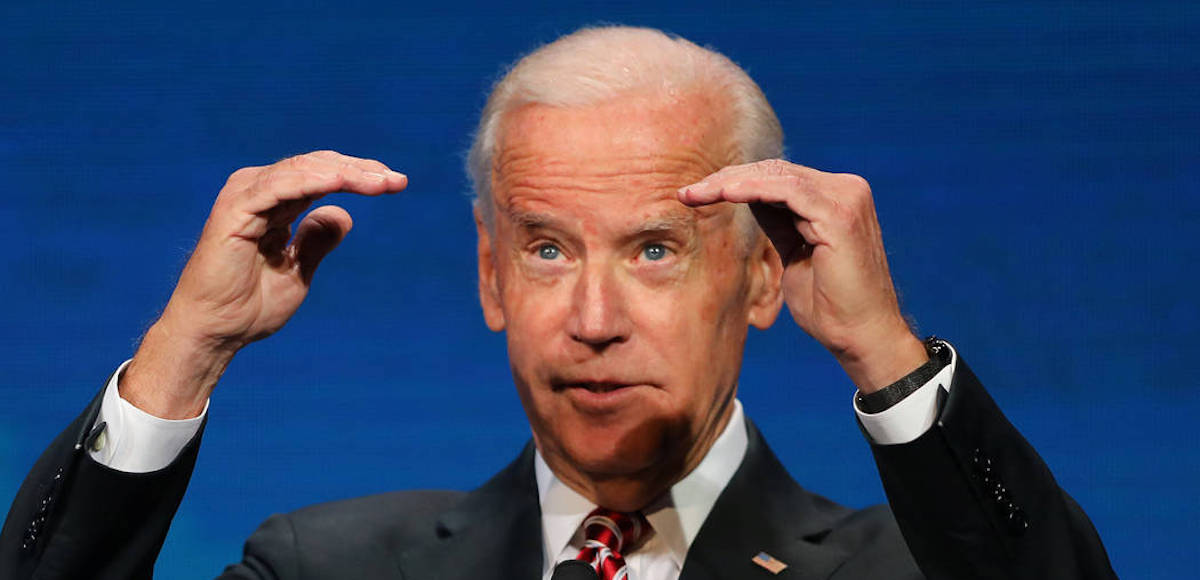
631, 216
640, 122
636, 124
624, 158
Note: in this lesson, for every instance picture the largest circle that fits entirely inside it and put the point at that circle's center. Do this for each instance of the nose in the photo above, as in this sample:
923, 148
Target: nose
599, 309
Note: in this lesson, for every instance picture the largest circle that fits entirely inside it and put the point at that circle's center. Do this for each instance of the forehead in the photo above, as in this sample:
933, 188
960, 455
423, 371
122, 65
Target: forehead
627, 155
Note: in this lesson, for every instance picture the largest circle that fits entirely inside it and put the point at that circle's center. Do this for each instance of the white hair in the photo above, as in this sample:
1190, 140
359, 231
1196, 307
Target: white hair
594, 65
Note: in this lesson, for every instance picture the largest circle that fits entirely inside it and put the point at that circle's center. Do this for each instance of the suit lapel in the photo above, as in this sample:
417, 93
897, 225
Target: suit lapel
494, 533
764, 510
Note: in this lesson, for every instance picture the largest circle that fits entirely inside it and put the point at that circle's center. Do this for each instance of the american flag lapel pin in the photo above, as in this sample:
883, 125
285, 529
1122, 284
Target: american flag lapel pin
769, 562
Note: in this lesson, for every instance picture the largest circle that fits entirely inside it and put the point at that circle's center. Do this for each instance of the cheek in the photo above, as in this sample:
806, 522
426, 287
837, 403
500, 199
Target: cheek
690, 324
717, 292
535, 312
522, 290
714, 322
729, 282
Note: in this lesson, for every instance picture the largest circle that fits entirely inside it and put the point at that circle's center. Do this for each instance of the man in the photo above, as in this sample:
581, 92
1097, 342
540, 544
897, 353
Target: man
633, 222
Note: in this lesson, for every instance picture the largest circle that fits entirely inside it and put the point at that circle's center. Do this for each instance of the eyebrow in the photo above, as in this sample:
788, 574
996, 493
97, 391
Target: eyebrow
663, 223
529, 219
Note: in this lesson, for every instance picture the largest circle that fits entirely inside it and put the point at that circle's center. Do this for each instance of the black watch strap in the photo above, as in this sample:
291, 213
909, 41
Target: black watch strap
885, 398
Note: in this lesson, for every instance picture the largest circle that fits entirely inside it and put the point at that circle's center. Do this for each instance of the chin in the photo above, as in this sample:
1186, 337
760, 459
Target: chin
619, 448
631, 471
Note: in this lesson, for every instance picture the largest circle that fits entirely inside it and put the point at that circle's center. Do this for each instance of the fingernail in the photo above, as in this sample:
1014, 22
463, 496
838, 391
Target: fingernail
374, 176
397, 174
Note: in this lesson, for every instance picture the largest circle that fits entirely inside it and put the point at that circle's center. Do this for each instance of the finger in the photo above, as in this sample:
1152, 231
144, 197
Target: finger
286, 212
312, 179
349, 164
812, 236
797, 194
765, 168
366, 176
359, 162
318, 234
273, 243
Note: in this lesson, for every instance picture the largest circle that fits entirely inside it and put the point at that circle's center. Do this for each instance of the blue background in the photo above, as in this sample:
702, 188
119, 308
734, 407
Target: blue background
1034, 166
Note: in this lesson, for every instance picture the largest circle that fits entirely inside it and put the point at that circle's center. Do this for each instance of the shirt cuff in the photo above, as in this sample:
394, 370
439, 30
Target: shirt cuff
133, 440
914, 415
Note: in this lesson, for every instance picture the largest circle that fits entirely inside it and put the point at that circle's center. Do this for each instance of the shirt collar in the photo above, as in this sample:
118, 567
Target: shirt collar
676, 519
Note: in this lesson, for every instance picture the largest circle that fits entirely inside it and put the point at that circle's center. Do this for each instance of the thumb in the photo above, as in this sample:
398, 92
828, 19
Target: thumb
318, 234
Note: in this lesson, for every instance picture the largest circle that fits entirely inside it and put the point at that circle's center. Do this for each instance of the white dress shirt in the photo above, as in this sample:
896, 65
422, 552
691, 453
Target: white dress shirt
676, 518
137, 442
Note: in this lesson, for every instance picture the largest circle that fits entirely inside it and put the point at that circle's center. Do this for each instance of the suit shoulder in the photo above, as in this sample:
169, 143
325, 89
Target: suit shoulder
357, 537
395, 512
388, 519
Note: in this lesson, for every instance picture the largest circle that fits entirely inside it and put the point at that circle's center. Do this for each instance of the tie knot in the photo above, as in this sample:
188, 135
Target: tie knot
615, 530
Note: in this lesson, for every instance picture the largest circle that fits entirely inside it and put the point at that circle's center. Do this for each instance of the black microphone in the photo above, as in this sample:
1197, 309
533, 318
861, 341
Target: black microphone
574, 570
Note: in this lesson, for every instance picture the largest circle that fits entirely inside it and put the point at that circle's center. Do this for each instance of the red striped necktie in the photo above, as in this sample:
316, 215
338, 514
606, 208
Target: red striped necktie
607, 534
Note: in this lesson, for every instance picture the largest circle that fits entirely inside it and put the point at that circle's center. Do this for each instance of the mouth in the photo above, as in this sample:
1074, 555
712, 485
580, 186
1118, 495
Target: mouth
599, 396
598, 387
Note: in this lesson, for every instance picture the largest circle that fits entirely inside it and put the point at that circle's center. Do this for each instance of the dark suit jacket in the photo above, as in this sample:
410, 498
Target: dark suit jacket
972, 498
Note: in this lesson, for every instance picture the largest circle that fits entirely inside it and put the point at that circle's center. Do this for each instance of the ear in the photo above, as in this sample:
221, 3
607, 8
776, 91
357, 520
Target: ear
765, 270
489, 288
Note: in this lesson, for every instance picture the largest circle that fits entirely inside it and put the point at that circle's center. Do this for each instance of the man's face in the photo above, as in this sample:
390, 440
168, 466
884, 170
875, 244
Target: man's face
626, 312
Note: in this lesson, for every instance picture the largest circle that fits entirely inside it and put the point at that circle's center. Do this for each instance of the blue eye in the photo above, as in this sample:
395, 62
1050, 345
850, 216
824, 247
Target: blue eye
654, 252
548, 252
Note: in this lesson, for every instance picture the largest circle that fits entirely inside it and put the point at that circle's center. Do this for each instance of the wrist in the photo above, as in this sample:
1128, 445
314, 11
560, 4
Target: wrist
884, 360
887, 397
173, 374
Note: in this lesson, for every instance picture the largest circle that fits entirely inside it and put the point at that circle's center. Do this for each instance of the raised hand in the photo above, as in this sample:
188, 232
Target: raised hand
247, 275
835, 282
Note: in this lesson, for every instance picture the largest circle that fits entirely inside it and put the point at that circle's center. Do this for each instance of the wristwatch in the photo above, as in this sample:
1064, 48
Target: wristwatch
883, 399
